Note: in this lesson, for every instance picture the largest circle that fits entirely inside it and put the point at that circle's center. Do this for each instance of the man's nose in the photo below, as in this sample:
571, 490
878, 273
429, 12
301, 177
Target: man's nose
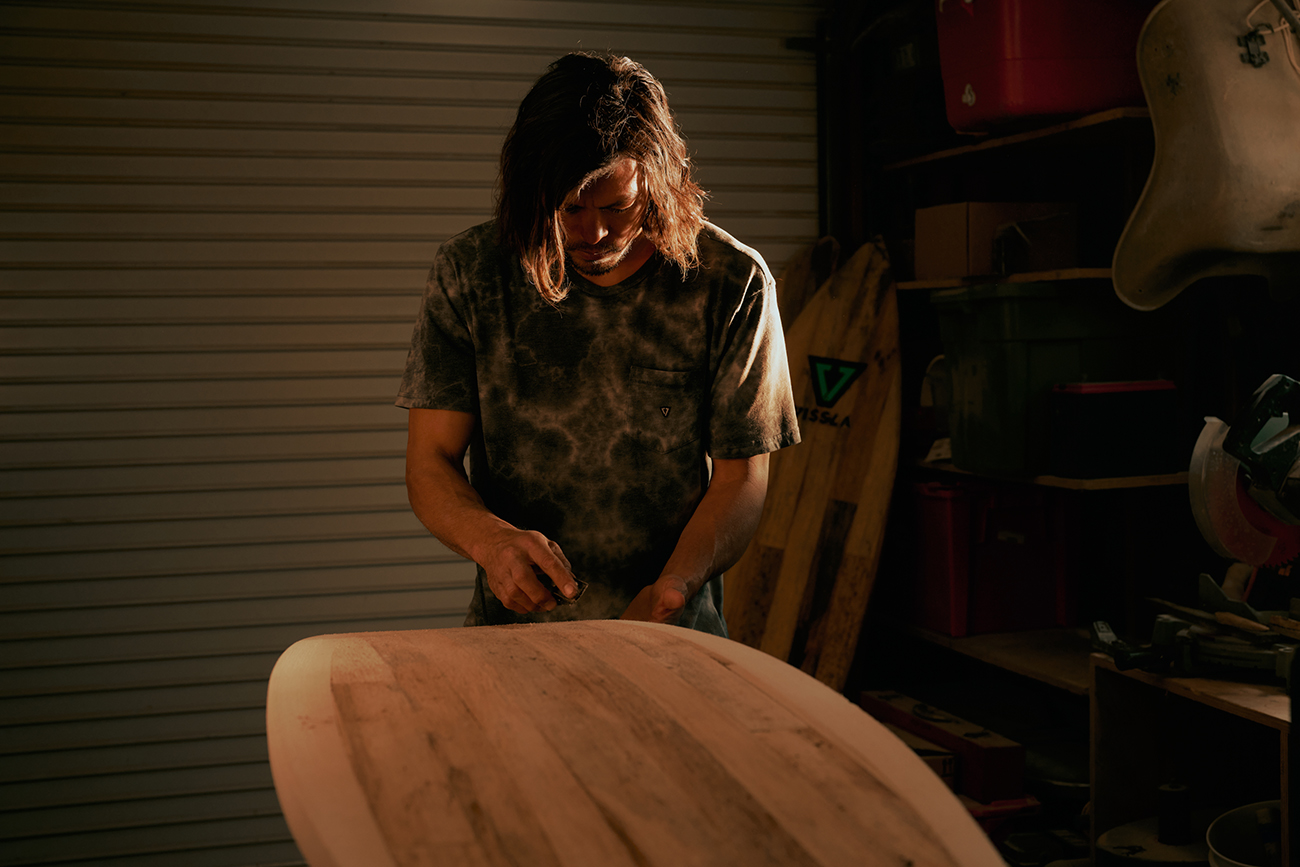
593, 227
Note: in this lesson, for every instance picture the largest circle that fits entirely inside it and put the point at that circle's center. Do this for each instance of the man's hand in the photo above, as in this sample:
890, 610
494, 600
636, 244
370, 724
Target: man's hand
509, 559
661, 602
453, 511
714, 539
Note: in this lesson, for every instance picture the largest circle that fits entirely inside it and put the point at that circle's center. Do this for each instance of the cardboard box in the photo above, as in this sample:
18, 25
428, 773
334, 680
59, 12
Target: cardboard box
957, 240
939, 760
990, 767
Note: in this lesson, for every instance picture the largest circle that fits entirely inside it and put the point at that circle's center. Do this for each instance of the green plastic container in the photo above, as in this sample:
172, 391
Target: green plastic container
1008, 344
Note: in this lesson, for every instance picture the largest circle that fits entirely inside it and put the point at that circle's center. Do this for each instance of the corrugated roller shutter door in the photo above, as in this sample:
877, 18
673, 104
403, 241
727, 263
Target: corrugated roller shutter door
216, 220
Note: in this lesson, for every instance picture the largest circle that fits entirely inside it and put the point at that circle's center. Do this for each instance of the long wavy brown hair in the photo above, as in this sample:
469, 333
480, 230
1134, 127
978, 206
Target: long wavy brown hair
584, 113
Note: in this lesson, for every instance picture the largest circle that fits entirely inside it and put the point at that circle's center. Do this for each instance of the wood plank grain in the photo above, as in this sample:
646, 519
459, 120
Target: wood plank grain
592, 743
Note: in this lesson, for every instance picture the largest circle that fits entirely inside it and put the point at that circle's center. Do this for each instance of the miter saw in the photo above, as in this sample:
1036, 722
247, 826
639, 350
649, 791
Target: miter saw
1245, 479
1244, 484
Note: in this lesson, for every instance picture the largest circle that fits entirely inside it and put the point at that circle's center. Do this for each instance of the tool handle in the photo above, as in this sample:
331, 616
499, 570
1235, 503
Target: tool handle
1244, 623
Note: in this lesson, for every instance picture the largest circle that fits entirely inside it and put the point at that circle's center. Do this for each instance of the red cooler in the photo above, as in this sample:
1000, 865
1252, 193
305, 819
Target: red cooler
1008, 59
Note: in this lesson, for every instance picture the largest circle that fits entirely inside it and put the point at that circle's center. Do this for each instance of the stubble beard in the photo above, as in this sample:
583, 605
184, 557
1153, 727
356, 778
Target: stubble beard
608, 262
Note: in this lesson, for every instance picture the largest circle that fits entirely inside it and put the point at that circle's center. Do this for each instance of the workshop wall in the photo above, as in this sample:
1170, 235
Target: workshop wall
215, 225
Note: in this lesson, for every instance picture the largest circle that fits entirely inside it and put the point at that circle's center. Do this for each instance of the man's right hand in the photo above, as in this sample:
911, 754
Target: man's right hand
508, 560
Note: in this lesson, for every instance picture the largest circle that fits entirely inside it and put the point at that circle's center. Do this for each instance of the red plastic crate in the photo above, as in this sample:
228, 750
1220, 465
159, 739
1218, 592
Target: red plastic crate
1007, 59
993, 558
943, 557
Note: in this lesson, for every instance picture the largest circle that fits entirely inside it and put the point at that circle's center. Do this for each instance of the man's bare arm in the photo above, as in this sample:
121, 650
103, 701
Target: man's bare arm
452, 510
713, 540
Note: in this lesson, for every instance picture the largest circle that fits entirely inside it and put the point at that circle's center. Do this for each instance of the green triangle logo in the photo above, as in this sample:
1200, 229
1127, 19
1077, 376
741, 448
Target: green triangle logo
831, 378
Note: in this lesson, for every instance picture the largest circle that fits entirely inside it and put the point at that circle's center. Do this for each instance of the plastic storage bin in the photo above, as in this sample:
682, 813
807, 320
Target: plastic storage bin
1008, 344
1109, 429
1008, 59
992, 557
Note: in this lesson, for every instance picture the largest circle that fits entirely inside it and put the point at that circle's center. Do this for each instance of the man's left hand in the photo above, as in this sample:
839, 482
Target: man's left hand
661, 602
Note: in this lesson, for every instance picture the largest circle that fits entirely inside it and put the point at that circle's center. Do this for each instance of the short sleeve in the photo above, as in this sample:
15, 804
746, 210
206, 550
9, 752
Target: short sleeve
753, 408
440, 366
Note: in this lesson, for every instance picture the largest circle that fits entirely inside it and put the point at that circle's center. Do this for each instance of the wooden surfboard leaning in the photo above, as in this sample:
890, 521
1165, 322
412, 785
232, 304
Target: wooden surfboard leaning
801, 589
591, 744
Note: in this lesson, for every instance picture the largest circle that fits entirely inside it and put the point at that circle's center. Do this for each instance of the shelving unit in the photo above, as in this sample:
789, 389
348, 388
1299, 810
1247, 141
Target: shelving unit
1222, 737
1149, 730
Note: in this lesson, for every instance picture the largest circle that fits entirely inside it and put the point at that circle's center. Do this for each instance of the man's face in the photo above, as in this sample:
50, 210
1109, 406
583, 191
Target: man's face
602, 222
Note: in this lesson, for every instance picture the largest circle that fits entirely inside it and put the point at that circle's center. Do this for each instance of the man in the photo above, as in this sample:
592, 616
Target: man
592, 348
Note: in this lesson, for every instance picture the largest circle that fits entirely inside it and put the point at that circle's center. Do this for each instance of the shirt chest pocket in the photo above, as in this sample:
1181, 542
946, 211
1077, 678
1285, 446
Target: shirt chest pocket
666, 407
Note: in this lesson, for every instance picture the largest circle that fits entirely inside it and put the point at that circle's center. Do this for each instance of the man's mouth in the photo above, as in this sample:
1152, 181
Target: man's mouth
593, 260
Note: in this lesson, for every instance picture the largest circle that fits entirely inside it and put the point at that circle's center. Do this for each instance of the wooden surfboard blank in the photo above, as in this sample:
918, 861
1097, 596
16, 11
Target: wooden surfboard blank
600, 743
801, 589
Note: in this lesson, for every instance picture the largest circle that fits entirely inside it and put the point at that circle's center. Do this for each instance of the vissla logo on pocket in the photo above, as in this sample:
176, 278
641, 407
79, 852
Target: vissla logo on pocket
665, 410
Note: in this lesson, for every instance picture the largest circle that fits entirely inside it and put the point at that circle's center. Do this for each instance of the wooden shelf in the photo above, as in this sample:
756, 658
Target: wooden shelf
1261, 703
1111, 484
1027, 277
1140, 739
1109, 116
1054, 656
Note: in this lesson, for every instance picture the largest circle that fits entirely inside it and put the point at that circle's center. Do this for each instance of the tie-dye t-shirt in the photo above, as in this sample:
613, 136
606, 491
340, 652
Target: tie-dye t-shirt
596, 415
